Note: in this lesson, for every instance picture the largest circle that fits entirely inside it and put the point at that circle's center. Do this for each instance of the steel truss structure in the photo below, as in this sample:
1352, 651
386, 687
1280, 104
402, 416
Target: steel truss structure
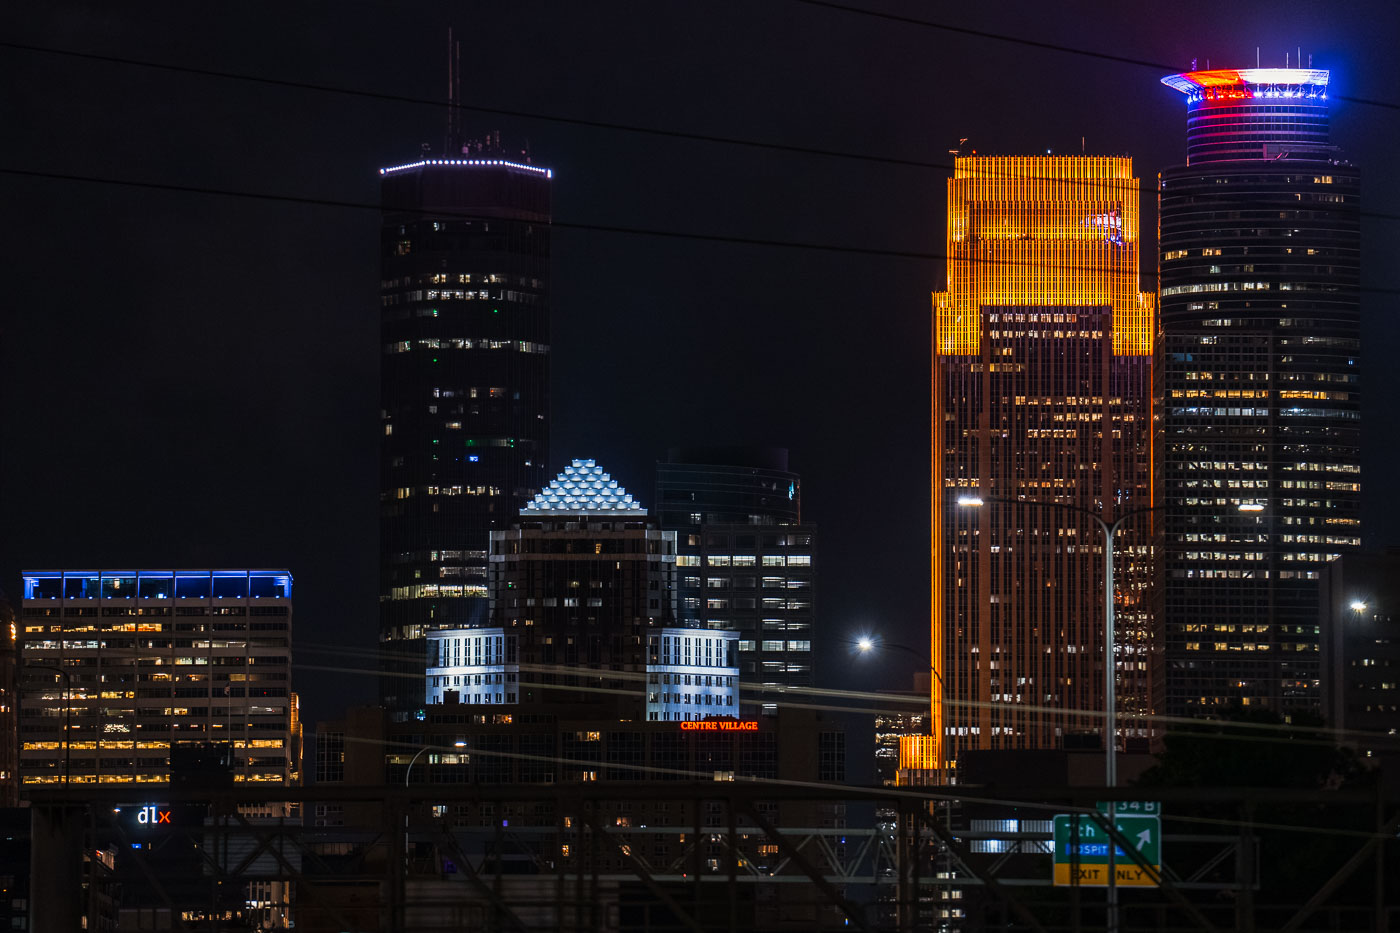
445, 857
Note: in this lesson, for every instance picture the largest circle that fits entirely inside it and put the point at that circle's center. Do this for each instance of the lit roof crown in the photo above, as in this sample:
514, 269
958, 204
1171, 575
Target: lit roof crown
583, 489
1251, 82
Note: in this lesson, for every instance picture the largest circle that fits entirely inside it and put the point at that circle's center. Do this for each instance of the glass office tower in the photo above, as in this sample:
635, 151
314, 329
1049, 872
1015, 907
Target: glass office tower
464, 387
1042, 391
746, 561
1258, 387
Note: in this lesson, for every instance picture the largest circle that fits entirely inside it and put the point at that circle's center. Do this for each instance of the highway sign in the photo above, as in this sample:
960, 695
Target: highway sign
1144, 833
1132, 807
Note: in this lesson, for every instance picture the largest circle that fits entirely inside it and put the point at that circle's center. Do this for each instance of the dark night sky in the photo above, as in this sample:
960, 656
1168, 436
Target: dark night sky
192, 380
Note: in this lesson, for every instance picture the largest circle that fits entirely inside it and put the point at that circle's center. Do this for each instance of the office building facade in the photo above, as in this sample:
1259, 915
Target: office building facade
475, 665
692, 674
581, 580
747, 562
1258, 388
120, 668
464, 387
1042, 379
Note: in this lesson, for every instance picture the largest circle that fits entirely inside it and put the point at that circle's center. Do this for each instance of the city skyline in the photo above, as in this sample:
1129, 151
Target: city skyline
1073, 398
259, 421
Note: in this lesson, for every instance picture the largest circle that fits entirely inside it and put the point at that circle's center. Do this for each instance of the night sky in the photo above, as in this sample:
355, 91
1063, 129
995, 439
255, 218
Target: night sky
192, 380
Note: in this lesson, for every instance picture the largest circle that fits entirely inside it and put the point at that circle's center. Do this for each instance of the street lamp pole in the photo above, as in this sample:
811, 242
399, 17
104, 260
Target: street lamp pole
418, 754
1110, 684
868, 644
1110, 760
412, 761
1110, 658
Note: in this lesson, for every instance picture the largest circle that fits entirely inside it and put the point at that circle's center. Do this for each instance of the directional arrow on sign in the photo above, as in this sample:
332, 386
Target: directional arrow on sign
1144, 838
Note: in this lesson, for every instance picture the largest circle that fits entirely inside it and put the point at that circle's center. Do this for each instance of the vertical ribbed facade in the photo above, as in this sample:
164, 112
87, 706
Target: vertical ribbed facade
1258, 379
1042, 390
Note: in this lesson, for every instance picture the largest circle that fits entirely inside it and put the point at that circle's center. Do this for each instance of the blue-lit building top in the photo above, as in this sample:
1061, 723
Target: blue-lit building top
123, 668
157, 584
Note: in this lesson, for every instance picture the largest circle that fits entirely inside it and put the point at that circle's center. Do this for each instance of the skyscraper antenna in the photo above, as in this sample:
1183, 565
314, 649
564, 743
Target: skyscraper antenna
452, 144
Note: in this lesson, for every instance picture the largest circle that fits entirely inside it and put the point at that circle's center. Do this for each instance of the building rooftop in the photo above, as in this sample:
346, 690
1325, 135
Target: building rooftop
583, 489
157, 584
1251, 82
547, 173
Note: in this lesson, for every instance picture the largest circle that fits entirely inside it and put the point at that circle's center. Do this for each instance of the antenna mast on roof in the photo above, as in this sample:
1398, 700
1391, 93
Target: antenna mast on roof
452, 144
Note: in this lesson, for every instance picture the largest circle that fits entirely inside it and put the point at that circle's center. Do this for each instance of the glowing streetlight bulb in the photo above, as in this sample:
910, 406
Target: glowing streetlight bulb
865, 644
970, 501
1251, 507
1358, 605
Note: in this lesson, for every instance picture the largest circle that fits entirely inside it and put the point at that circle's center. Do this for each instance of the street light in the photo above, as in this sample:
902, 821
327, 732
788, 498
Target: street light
866, 644
1358, 605
416, 755
1110, 762
1110, 659
1110, 655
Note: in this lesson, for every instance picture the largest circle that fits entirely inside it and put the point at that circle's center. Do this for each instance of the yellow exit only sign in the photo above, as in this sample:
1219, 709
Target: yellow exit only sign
1097, 875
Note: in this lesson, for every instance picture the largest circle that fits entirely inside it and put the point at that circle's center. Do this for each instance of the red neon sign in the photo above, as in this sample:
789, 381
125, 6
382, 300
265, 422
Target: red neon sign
720, 725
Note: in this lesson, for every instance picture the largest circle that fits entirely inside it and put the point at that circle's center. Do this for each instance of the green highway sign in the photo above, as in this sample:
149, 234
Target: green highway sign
1090, 868
1132, 807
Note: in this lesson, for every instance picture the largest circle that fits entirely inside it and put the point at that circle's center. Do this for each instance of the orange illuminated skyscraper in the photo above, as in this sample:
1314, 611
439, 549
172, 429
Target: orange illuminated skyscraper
1041, 390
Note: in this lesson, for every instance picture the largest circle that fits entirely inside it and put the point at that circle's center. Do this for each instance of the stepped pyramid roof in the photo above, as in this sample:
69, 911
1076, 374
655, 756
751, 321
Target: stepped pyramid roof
583, 489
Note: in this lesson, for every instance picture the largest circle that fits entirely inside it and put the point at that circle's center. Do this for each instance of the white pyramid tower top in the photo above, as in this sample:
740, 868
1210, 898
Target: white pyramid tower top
583, 489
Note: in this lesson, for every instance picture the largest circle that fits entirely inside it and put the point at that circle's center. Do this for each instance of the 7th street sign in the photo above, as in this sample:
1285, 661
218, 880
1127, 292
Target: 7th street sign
1144, 833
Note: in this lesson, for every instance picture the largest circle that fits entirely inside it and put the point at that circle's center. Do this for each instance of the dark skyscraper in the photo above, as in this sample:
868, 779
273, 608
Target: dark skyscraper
745, 562
1257, 387
464, 385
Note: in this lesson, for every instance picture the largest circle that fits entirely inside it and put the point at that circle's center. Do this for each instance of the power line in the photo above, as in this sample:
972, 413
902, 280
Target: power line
761, 693
727, 239
568, 121
1039, 44
477, 108
585, 764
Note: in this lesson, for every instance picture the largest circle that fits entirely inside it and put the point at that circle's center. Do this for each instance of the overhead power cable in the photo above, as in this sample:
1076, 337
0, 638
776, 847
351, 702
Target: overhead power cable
966, 795
1039, 44
551, 118
857, 701
561, 224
